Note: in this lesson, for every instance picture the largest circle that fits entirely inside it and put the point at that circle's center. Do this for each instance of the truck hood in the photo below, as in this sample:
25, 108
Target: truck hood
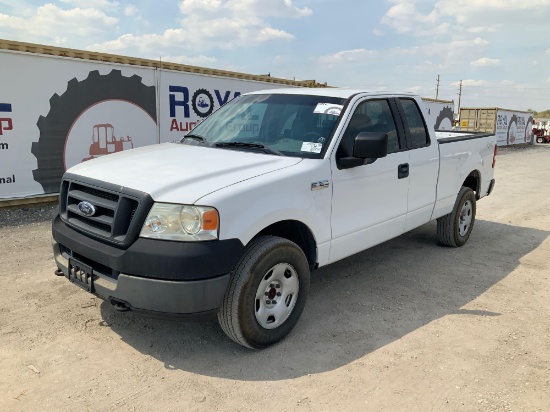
179, 173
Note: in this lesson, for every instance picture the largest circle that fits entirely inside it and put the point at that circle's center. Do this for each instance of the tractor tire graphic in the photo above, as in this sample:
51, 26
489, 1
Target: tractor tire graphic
197, 102
511, 136
65, 109
445, 114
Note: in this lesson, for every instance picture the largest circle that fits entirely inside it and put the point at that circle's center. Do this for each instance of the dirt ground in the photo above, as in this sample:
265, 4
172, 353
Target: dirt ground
406, 326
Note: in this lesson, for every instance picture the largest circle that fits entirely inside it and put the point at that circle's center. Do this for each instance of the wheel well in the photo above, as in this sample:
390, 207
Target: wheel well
298, 233
473, 181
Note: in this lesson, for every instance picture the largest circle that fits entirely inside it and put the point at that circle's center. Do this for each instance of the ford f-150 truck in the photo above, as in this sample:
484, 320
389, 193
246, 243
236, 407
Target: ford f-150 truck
233, 218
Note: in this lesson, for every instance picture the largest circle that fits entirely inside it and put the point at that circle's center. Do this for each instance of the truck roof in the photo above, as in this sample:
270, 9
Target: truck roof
330, 92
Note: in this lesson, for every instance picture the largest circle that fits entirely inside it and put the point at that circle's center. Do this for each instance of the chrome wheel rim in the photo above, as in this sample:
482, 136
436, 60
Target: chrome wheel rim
276, 296
465, 219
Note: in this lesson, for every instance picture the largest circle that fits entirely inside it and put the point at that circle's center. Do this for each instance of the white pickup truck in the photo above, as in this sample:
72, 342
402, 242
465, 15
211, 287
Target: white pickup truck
234, 217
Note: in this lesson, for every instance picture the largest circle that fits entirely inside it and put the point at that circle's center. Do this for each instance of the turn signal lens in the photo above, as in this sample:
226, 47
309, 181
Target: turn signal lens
210, 220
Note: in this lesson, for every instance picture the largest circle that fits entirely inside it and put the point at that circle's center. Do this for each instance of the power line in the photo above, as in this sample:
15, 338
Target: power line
459, 96
515, 88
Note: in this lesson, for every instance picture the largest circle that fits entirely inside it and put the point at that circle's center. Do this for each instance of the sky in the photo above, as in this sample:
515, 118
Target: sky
499, 49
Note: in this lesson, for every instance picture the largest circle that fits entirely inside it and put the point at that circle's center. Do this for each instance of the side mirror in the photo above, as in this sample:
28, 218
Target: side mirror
367, 146
370, 145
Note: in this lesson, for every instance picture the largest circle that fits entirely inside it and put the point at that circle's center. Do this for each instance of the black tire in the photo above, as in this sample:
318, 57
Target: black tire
237, 315
540, 139
65, 109
450, 228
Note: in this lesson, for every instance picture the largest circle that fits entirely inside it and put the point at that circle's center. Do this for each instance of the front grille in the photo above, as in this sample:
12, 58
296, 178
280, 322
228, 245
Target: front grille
97, 193
115, 217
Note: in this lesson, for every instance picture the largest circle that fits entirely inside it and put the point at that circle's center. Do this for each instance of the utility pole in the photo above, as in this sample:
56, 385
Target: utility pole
437, 88
459, 95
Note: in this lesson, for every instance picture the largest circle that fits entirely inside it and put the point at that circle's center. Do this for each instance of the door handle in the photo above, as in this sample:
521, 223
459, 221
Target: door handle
403, 171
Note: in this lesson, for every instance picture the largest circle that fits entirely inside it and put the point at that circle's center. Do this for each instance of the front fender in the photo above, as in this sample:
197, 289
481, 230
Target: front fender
248, 207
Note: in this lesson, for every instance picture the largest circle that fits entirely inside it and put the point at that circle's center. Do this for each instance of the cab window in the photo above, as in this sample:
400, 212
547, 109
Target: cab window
370, 116
419, 136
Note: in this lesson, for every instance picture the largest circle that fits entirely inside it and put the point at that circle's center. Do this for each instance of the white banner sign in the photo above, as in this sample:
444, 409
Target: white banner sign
57, 112
439, 115
513, 127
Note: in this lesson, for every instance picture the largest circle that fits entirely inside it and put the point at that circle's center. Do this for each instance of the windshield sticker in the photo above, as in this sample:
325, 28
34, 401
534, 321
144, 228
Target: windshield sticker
312, 147
329, 108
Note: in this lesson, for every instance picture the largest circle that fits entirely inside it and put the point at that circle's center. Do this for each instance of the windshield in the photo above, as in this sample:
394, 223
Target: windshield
287, 124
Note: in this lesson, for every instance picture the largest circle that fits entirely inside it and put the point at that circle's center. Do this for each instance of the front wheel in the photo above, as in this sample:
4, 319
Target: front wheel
540, 140
266, 294
455, 228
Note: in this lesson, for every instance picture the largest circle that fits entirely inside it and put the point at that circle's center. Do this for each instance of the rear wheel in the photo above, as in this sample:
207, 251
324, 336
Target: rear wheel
455, 228
266, 294
540, 139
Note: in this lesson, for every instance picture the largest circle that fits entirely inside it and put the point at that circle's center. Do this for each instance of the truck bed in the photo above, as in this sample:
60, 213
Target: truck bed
444, 136
460, 153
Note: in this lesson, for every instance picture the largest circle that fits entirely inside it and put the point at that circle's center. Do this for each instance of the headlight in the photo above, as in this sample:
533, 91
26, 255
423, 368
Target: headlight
181, 222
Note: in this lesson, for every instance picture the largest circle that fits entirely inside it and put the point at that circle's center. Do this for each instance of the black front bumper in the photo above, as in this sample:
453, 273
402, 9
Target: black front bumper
152, 275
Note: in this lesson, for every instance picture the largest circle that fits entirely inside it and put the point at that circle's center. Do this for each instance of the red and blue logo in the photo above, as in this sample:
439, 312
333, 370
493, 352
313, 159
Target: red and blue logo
6, 123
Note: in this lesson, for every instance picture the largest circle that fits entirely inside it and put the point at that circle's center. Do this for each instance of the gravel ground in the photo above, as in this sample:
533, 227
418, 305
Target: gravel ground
19, 216
405, 326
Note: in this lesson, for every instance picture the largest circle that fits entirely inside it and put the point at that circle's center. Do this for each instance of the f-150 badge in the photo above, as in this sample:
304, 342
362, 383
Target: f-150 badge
323, 184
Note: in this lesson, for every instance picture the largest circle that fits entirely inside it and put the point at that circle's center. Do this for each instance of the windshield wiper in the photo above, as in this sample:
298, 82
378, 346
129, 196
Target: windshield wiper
195, 137
243, 145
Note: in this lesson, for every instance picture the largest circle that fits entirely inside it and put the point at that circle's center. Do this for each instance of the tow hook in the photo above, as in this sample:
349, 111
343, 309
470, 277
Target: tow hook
120, 305
58, 272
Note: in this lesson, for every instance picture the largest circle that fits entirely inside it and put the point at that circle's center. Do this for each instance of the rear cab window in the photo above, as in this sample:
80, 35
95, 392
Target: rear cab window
418, 135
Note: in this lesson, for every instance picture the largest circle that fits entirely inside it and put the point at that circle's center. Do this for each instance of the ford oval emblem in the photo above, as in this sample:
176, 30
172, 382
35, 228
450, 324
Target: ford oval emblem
86, 208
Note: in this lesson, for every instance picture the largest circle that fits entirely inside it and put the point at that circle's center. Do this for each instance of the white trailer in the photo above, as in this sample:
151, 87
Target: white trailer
61, 106
440, 113
510, 126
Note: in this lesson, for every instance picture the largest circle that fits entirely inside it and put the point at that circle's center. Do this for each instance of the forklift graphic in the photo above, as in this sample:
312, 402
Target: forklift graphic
104, 141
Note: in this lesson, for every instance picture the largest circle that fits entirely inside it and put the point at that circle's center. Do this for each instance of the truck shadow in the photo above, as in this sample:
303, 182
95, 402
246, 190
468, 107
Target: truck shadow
355, 306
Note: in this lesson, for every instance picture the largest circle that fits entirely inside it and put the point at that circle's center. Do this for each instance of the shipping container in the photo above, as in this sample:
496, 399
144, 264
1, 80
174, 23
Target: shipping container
60, 107
510, 126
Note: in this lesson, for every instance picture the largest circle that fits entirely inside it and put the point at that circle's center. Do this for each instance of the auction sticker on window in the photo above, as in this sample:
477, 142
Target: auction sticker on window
312, 147
329, 108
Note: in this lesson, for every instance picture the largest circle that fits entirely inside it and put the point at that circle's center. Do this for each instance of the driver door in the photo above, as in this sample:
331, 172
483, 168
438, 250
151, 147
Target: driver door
369, 203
